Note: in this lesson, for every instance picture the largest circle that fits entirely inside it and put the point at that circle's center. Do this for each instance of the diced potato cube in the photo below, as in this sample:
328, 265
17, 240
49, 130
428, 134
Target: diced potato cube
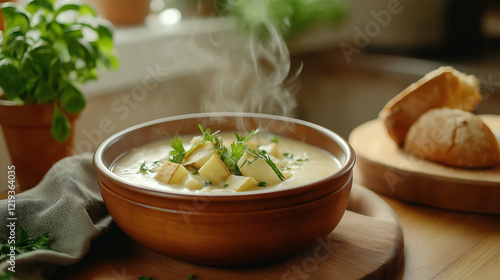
192, 182
258, 168
214, 170
240, 183
279, 162
271, 149
195, 140
171, 173
287, 174
200, 155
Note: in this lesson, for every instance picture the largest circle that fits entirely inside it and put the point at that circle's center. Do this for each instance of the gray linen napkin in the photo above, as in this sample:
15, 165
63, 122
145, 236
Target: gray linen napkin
68, 205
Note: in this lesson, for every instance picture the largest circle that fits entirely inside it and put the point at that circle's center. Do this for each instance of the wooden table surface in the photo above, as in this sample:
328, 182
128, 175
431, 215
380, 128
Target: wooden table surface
439, 244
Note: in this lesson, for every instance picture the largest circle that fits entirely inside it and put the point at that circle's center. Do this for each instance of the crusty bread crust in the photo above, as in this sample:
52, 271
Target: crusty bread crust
453, 137
443, 87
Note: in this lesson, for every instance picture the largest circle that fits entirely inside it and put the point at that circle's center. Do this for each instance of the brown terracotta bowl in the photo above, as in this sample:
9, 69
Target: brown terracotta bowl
244, 228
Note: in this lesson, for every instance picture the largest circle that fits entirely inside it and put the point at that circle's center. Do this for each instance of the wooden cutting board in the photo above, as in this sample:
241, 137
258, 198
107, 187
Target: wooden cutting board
385, 168
367, 243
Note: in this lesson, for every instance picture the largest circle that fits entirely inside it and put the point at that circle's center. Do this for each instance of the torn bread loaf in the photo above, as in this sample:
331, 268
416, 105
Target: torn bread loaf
443, 87
453, 137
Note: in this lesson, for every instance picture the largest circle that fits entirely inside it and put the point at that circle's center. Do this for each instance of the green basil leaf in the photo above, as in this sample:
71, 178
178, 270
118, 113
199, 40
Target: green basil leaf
87, 10
81, 9
67, 7
35, 5
42, 55
73, 32
14, 16
87, 75
82, 50
18, 46
72, 100
61, 127
105, 37
54, 31
43, 93
9, 79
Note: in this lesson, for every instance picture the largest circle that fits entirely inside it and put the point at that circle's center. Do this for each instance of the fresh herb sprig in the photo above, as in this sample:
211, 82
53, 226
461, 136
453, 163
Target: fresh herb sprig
178, 153
47, 50
24, 244
263, 155
8, 275
230, 157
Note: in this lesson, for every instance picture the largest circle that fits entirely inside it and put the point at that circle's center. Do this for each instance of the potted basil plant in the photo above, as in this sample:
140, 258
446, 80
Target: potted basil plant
47, 51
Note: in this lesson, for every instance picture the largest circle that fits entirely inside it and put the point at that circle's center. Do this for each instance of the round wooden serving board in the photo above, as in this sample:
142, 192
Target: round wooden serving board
367, 243
385, 168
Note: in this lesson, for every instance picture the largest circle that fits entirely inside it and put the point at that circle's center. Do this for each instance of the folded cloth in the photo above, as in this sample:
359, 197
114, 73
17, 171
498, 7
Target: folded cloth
68, 205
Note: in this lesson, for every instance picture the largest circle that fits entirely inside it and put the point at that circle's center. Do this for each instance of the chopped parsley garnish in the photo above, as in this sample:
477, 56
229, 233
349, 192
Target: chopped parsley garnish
287, 155
225, 185
145, 167
231, 156
262, 184
275, 139
178, 152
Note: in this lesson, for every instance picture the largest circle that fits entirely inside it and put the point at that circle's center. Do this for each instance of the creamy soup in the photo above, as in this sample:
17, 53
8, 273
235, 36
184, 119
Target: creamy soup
298, 164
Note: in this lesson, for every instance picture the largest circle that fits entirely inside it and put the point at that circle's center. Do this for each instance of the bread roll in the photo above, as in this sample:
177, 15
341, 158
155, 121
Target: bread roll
453, 137
443, 87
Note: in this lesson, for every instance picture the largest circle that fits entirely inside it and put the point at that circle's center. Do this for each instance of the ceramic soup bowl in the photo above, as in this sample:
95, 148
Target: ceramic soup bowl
224, 230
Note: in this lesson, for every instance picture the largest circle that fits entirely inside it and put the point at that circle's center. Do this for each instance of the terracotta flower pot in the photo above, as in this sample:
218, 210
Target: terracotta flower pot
1, 20
32, 149
122, 12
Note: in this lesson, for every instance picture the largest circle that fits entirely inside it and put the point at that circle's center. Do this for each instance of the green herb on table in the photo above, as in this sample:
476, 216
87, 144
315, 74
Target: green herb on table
190, 277
24, 244
145, 278
9, 275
